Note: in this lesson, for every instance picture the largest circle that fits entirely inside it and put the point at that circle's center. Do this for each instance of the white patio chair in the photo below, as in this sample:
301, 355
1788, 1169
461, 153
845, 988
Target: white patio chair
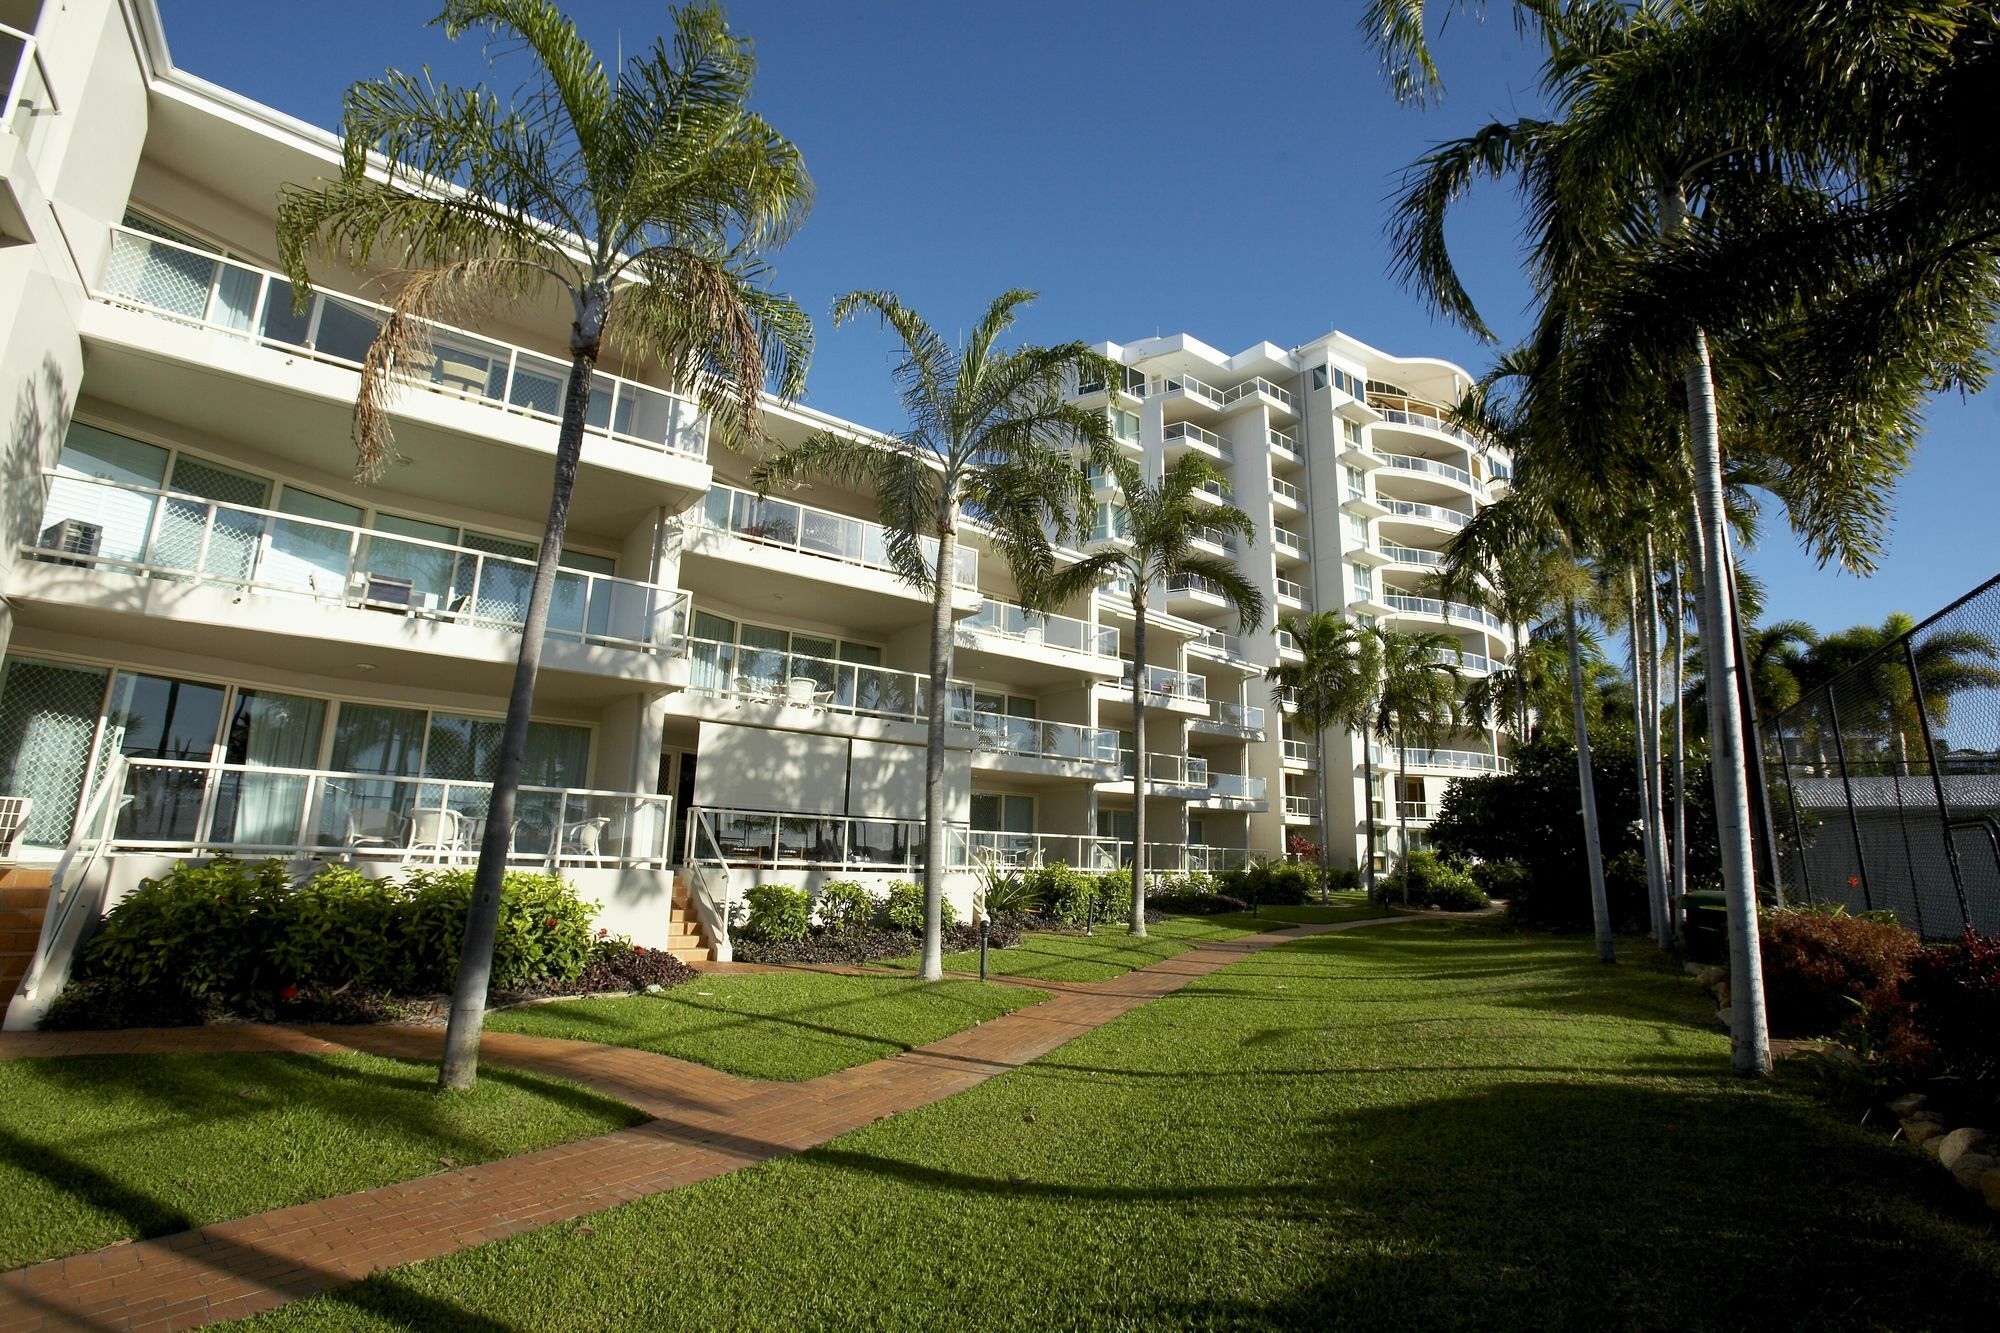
435, 835
584, 840
370, 826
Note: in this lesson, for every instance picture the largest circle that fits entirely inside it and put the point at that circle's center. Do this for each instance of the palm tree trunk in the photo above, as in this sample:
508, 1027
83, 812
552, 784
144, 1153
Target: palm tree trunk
1678, 883
459, 1067
940, 706
1325, 808
1520, 684
1749, 1034
1656, 820
1586, 785
1138, 758
1403, 820
1655, 890
1368, 819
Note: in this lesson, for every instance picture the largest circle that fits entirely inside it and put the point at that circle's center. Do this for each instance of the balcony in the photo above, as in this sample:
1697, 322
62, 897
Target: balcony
1187, 386
1290, 544
182, 808
1288, 647
1021, 851
1293, 595
1399, 410
1182, 435
1184, 776
1166, 686
1437, 515
1414, 811
1298, 753
1404, 604
1410, 555
1287, 496
1462, 761
766, 545
1018, 629
1301, 809
1360, 504
1191, 593
1219, 541
197, 289
793, 680
1030, 738
1228, 647
259, 569
1233, 790
1284, 445
1213, 491
785, 840
1431, 468
1243, 721
1250, 390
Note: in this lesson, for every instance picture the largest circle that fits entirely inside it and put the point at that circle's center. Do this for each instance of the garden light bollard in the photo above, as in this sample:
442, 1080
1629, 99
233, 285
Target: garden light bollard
984, 924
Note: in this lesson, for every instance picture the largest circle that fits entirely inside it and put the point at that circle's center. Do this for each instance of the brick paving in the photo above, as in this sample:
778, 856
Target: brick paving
706, 1123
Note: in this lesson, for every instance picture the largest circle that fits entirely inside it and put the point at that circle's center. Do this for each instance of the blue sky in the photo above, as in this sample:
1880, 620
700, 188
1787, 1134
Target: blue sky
1221, 170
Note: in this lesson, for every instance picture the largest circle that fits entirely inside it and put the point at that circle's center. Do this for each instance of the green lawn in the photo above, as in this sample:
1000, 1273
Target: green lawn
1343, 907
96, 1149
1109, 951
779, 1025
1427, 1125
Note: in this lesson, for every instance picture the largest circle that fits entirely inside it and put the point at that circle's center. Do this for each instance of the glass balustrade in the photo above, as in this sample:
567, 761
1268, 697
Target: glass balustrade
1186, 432
1168, 770
820, 532
193, 287
1040, 629
178, 538
1243, 717
1450, 518
1235, 787
760, 675
1032, 738
1411, 463
1167, 683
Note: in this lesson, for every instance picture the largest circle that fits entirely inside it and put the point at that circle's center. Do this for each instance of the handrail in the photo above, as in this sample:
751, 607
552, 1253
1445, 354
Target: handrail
1432, 606
818, 532
846, 842
1039, 628
1284, 442
1285, 490
1287, 537
1411, 555
1185, 384
1243, 717
1039, 739
1169, 683
1451, 518
715, 908
55, 948
1288, 588
728, 670
1221, 538
183, 537
1474, 760
1236, 787
1412, 463
1219, 642
1167, 770
1253, 386
203, 289
1188, 431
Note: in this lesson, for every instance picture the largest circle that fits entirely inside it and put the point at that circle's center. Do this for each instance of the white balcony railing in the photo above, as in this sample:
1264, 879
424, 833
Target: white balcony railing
1020, 851
1185, 771
784, 838
1401, 411
25, 84
1301, 807
1410, 555
1291, 591
1193, 584
1289, 538
1450, 518
1242, 717
1220, 644
1166, 683
1039, 629
1188, 385
203, 290
1252, 387
1431, 467
1286, 643
1220, 538
198, 809
1214, 488
1413, 809
1285, 443
1284, 490
1298, 752
820, 532
720, 670
1472, 761
1026, 736
1235, 787
183, 539
1186, 432
1431, 606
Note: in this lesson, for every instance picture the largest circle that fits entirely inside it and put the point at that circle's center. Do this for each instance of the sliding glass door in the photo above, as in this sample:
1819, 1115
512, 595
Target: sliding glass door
48, 718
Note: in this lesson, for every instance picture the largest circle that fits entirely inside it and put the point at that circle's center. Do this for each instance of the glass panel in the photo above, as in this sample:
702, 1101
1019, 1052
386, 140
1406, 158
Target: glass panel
155, 717
426, 569
123, 521
502, 594
307, 556
268, 731
233, 536
48, 715
557, 756
467, 748
538, 384
1020, 817
375, 738
281, 323
345, 330
762, 664
872, 842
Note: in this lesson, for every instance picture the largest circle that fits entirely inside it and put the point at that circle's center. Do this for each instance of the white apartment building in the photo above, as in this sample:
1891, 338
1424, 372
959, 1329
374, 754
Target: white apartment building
215, 641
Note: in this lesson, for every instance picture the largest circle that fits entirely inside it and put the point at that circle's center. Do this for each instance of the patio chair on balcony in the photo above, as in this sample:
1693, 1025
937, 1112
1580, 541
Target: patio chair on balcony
805, 692
370, 826
583, 841
436, 835
14, 811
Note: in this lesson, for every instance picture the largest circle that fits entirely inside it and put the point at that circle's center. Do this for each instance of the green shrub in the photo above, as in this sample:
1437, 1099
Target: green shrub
1067, 896
904, 908
845, 906
1427, 880
1271, 883
1340, 879
776, 913
1010, 892
1500, 879
230, 937
1945, 1015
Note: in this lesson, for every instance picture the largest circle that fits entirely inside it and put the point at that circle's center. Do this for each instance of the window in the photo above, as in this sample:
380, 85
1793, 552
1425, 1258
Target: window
1362, 581
1351, 385
1319, 377
997, 812
1125, 425
1350, 432
1111, 523
1357, 528
1115, 824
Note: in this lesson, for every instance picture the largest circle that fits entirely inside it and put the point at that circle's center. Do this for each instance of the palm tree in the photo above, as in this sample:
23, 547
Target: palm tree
1777, 657
1885, 714
648, 200
991, 437
1162, 519
1334, 684
1417, 699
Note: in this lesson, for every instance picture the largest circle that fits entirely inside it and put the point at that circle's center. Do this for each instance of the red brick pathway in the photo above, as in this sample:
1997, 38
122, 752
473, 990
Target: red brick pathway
706, 1123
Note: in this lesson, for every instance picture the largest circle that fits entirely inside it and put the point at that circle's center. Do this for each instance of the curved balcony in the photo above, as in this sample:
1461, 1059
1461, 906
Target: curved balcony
1433, 469
1436, 516
199, 289
1400, 410
1180, 436
1448, 761
1403, 604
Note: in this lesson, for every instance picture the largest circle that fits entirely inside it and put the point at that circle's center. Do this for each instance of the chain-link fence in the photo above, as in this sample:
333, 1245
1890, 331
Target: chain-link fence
1884, 781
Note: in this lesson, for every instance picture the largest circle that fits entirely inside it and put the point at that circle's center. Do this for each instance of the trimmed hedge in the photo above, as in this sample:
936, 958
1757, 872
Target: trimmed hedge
1427, 880
1824, 969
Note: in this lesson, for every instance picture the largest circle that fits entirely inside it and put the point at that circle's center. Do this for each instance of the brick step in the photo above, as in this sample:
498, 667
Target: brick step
24, 899
694, 955
680, 939
26, 877
18, 942
21, 918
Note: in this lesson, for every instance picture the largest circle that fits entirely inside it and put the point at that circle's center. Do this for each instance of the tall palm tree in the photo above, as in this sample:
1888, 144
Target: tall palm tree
647, 197
1162, 518
1417, 699
1886, 715
1777, 659
1334, 684
991, 437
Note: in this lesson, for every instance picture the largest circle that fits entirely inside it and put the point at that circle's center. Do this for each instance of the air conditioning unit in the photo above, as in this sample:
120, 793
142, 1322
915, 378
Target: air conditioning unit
72, 536
387, 594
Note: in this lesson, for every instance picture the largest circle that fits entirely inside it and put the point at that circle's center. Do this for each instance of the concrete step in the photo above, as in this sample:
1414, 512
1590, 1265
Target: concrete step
26, 877
691, 955
21, 918
24, 899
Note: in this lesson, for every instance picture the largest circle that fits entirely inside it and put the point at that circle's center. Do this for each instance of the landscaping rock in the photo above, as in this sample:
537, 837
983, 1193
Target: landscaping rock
1957, 1144
1712, 975
1922, 1131
1971, 1167
1989, 1185
1907, 1104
